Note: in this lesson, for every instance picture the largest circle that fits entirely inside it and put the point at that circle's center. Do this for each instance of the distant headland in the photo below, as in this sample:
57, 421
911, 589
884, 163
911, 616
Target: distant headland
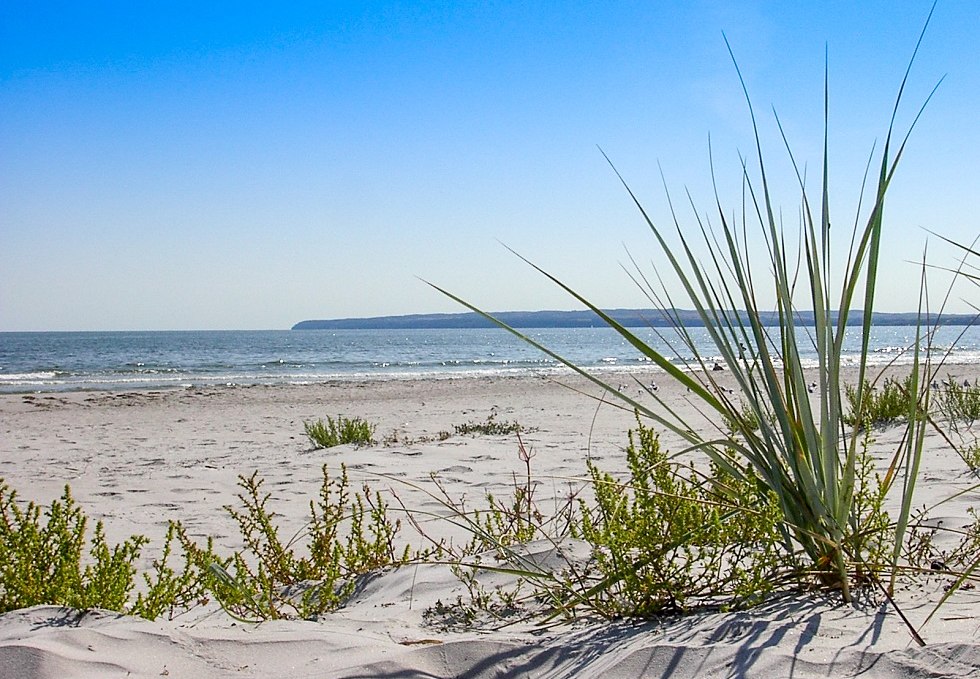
587, 319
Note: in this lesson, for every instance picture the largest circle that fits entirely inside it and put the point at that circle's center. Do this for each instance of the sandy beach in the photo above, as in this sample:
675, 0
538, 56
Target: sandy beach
140, 459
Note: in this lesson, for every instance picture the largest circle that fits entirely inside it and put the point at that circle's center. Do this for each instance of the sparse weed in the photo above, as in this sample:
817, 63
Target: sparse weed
970, 452
923, 552
395, 438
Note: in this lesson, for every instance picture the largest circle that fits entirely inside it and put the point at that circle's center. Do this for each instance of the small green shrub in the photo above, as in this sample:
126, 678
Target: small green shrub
959, 401
349, 534
970, 452
174, 591
340, 431
41, 559
745, 420
880, 407
671, 538
489, 427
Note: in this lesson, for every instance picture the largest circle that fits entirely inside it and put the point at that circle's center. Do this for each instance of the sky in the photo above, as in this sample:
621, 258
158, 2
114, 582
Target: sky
251, 165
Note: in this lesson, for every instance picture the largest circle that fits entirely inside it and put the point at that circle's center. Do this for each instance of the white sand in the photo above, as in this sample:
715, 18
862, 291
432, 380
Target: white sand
138, 460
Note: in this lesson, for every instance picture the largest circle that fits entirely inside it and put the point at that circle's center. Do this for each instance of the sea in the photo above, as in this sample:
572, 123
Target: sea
115, 361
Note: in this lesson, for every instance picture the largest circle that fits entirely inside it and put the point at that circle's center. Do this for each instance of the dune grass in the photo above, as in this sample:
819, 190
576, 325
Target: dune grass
803, 455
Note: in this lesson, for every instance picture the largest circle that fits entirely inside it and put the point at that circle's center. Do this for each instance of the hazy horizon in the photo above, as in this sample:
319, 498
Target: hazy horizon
244, 166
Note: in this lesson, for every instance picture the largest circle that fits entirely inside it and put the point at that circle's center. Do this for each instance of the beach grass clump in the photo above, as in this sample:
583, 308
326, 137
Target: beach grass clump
730, 268
348, 535
880, 407
343, 430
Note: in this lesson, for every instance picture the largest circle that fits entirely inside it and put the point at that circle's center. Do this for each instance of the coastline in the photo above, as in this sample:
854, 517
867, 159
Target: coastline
139, 459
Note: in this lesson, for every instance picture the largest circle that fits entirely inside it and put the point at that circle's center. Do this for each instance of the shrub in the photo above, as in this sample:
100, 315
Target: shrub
746, 419
349, 534
959, 401
174, 591
669, 538
873, 407
340, 431
489, 427
41, 559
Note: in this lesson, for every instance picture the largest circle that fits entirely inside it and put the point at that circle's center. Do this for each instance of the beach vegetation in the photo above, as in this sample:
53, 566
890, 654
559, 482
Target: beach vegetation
397, 438
47, 558
172, 589
875, 406
488, 427
959, 402
801, 456
349, 534
970, 452
670, 537
343, 430
500, 532
746, 419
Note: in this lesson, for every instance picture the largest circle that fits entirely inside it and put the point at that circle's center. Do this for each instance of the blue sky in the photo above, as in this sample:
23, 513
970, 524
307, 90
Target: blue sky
239, 165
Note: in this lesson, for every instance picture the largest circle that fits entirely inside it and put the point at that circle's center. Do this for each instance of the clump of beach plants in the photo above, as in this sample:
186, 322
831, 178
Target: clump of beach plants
970, 452
959, 402
173, 588
330, 433
878, 407
44, 560
801, 455
488, 427
349, 534
671, 537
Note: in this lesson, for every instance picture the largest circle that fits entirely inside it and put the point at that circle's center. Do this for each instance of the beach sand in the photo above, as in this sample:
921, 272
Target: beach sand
138, 460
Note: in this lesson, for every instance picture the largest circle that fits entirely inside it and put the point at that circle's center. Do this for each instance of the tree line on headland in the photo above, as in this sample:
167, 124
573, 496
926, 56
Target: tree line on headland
588, 319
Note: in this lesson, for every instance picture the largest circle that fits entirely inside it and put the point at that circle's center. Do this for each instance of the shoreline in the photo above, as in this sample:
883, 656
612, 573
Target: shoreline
644, 368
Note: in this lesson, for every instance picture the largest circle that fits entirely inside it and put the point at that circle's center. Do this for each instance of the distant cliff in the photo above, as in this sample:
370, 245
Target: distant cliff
581, 319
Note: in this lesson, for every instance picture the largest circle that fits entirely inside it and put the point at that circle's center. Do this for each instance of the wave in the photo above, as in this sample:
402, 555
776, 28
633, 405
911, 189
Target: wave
28, 377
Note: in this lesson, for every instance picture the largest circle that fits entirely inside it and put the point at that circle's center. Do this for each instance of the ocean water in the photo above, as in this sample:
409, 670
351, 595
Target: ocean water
59, 361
